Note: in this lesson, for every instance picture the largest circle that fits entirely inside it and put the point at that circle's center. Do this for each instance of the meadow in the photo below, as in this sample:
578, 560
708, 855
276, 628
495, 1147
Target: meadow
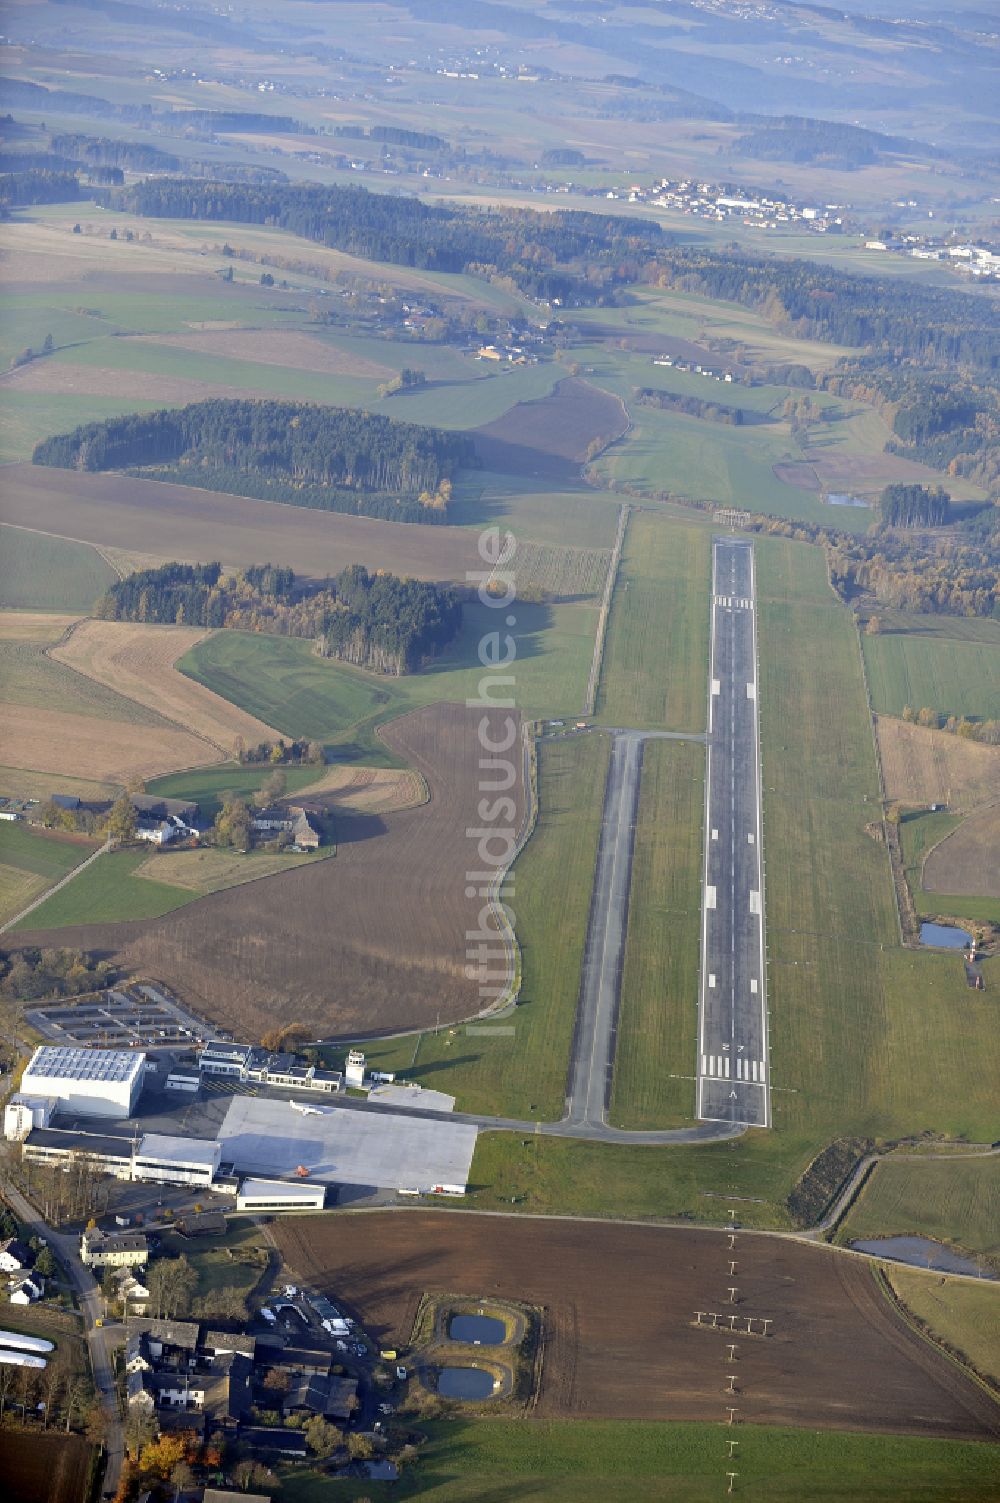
952, 1200
631, 1461
947, 673
40, 573
962, 1316
655, 669
282, 681
109, 891
31, 861
657, 1022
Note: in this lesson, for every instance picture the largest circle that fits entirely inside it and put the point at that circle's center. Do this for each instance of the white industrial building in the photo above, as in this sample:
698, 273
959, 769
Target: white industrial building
22, 1113
280, 1195
86, 1082
170, 1160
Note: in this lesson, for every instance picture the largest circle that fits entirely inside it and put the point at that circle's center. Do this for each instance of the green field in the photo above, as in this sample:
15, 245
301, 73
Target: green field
281, 680
575, 517
952, 675
964, 1316
31, 861
26, 417
953, 1200
108, 892
40, 573
657, 1024
631, 1461
655, 669
520, 1070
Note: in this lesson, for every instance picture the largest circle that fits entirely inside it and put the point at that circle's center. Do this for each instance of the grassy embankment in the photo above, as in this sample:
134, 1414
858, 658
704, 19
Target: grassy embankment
635, 1462
962, 1316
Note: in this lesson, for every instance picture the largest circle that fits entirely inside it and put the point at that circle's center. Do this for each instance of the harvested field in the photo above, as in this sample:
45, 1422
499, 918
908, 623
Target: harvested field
968, 860
34, 626
923, 766
64, 378
551, 438
367, 790
138, 661
208, 870
193, 526
45, 1468
866, 474
289, 347
86, 746
370, 941
561, 573
619, 1318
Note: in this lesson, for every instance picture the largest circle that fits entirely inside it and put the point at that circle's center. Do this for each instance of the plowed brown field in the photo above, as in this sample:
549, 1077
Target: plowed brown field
139, 661
550, 438
619, 1303
967, 860
180, 522
371, 940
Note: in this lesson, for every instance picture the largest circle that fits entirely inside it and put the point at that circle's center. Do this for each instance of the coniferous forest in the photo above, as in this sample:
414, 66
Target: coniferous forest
331, 458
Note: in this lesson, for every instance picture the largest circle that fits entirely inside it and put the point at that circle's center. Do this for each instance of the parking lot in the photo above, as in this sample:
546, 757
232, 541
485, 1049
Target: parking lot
140, 1016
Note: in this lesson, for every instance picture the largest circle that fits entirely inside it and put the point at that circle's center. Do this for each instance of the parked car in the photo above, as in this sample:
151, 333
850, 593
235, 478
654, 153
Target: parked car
401, 1373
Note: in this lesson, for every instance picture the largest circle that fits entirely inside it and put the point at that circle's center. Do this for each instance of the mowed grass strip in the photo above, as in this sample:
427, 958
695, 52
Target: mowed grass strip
29, 677
948, 674
953, 1200
655, 669
962, 1315
109, 891
657, 1022
630, 1461
45, 573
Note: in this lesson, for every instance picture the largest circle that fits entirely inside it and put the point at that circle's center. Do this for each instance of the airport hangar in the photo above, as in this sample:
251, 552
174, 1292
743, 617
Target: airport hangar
273, 1139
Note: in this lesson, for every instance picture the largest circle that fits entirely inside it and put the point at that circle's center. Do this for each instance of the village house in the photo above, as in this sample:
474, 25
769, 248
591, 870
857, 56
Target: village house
15, 1257
24, 1291
113, 1249
292, 820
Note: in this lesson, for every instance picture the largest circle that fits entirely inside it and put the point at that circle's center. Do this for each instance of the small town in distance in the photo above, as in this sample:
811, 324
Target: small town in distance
499, 752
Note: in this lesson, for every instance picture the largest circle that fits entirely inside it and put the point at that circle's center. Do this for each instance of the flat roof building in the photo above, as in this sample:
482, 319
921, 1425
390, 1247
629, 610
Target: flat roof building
89, 1082
171, 1160
280, 1195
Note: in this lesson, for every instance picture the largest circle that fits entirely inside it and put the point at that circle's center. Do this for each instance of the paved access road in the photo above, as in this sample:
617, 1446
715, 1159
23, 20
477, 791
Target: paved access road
733, 1065
66, 1249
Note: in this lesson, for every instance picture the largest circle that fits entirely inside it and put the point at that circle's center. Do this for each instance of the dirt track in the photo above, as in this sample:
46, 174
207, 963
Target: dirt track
371, 940
620, 1333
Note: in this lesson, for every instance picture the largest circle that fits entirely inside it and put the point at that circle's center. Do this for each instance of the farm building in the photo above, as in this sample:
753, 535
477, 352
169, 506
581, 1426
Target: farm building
292, 820
88, 1082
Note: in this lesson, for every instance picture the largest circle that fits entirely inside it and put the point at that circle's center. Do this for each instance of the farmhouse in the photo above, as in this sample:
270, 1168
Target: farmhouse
292, 820
25, 1291
113, 1249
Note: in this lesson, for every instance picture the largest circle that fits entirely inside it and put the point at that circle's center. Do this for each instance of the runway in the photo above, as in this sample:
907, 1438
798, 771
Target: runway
733, 1065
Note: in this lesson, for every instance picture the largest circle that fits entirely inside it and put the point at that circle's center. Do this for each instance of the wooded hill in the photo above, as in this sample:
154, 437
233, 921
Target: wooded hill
375, 621
332, 458
573, 256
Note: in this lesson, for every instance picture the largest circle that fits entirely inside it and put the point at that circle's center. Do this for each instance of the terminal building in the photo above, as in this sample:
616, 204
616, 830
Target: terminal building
86, 1082
247, 1062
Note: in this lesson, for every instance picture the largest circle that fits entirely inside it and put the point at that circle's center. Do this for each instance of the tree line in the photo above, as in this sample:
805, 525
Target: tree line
713, 412
572, 256
914, 506
336, 458
389, 624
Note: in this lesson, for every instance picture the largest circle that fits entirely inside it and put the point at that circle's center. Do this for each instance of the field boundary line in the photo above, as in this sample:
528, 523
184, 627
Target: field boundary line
51, 891
898, 1305
873, 732
602, 621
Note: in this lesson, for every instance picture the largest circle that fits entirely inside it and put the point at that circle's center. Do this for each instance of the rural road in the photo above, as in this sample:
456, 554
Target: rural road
91, 1305
733, 1066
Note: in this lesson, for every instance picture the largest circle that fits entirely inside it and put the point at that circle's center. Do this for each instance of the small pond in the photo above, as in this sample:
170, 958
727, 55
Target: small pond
465, 1383
944, 936
921, 1252
477, 1330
